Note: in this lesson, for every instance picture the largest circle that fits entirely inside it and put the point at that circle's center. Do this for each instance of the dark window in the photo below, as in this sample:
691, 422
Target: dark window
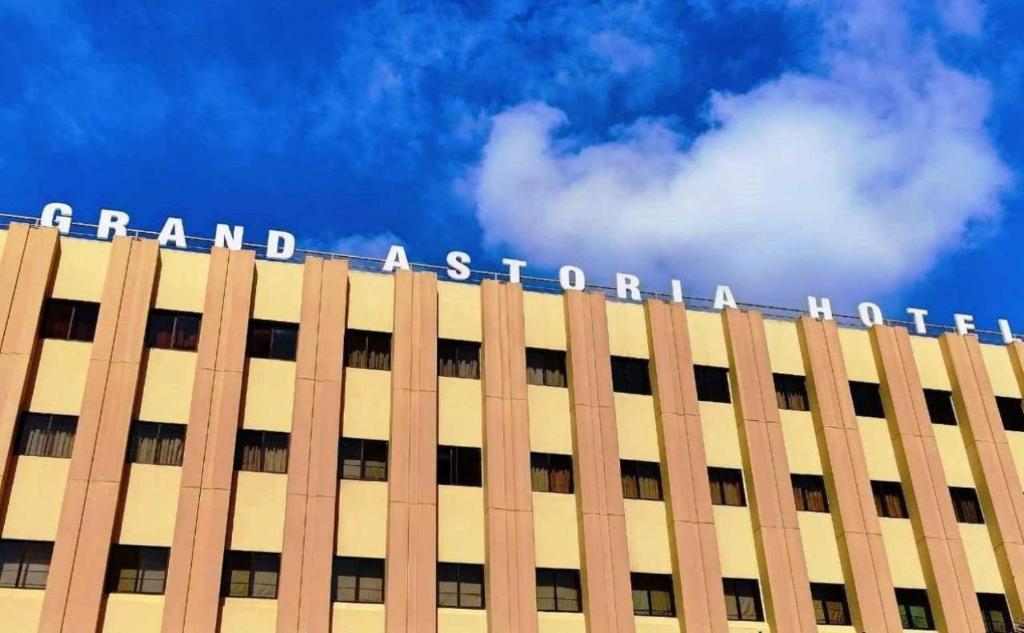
1011, 412
809, 493
460, 585
559, 590
24, 564
712, 383
359, 580
261, 451
994, 613
458, 466
966, 505
915, 612
364, 459
135, 569
791, 392
173, 330
867, 399
726, 487
368, 350
158, 443
830, 605
250, 574
631, 375
545, 367
653, 595
889, 501
551, 472
641, 480
458, 359
272, 339
742, 600
46, 435
69, 320
940, 406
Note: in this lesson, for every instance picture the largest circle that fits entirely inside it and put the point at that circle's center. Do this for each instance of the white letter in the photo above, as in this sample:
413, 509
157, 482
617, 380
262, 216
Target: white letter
229, 236
514, 266
578, 280
964, 323
723, 298
457, 268
870, 314
57, 214
280, 245
627, 286
172, 233
919, 315
820, 309
396, 259
677, 291
1004, 328
110, 219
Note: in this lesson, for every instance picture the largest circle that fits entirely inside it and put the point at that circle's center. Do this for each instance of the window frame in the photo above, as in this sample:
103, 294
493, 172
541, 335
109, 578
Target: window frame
547, 462
275, 330
806, 484
263, 448
880, 488
741, 588
791, 393
24, 570
163, 429
1010, 407
987, 606
637, 470
561, 579
364, 468
461, 570
824, 594
726, 476
550, 364
360, 347
457, 458
452, 354
189, 343
140, 559
643, 583
47, 322
961, 495
250, 560
937, 401
21, 441
365, 569
713, 383
631, 375
907, 599
867, 399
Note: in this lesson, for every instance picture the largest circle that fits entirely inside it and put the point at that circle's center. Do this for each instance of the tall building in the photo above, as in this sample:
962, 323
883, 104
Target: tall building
211, 442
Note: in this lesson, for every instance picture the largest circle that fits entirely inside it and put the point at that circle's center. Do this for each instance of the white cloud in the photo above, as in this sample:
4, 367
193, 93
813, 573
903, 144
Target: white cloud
965, 17
850, 183
364, 244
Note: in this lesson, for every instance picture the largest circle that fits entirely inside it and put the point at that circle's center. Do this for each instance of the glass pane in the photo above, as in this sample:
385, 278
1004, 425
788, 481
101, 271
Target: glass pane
126, 580
259, 340
264, 583
63, 435
33, 435
186, 331
641, 602
143, 441
160, 330
284, 342
57, 320
83, 324
238, 583
371, 589
346, 587
375, 454
661, 602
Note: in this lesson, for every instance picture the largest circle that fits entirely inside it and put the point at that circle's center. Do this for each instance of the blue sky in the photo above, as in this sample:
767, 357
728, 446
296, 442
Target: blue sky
864, 149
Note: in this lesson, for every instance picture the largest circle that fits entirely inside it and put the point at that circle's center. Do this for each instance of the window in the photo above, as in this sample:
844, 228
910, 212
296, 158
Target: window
368, 350
458, 359
545, 367
889, 499
940, 406
653, 595
24, 564
915, 612
460, 585
1011, 412
364, 459
994, 613
641, 480
791, 392
158, 443
458, 466
262, 451
250, 574
559, 590
551, 472
726, 487
173, 330
867, 399
69, 320
712, 383
742, 600
272, 339
134, 569
46, 435
359, 580
809, 493
631, 375
966, 505
830, 605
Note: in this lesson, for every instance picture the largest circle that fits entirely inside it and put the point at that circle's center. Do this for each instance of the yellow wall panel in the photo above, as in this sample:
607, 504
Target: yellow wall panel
1017, 450
167, 385
461, 621
350, 617
81, 270
981, 559
371, 301
754, 627
181, 282
278, 295
627, 329
707, 338
1000, 371
858, 355
458, 311
544, 318
3, 240
133, 613
20, 609
637, 427
37, 493
556, 531
561, 623
801, 443
930, 364
269, 395
151, 505
362, 519
784, 347
734, 532
258, 524
647, 536
60, 377
460, 417
646, 624
248, 615
878, 451
901, 548
460, 524
367, 404
955, 462
820, 548
550, 419
721, 439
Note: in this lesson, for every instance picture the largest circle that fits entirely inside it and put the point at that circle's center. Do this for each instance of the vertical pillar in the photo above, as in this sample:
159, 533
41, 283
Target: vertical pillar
411, 576
85, 530
858, 532
773, 509
508, 501
988, 449
607, 587
696, 565
304, 602
950, 588
192, 597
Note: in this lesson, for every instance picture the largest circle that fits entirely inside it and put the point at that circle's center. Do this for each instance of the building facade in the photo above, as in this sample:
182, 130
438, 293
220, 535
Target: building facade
211, 442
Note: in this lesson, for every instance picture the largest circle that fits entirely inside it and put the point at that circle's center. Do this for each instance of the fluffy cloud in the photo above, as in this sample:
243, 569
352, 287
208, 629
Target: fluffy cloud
364, 244
851, 182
